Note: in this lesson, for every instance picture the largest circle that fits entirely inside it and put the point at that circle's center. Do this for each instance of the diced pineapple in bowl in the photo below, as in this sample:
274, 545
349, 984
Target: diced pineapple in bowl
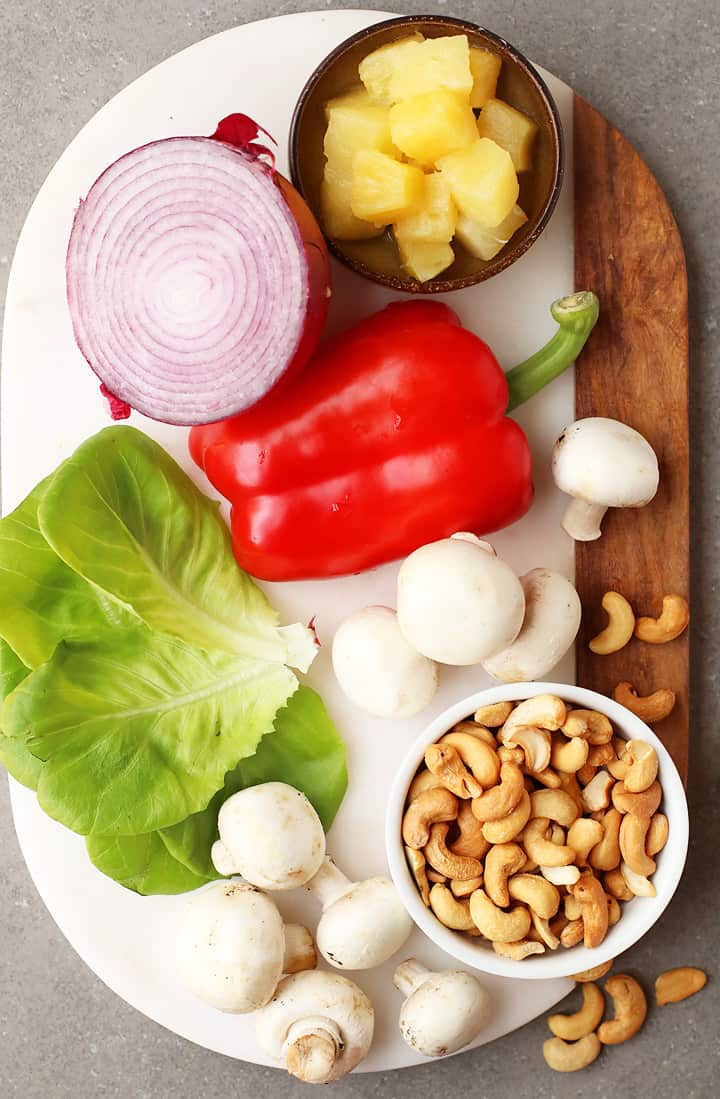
431, 152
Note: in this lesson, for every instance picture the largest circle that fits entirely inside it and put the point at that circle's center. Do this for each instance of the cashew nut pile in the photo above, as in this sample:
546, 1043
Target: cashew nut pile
531, 822
579, 1038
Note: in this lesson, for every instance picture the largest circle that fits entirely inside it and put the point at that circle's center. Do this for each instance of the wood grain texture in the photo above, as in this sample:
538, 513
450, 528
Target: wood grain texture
628, 250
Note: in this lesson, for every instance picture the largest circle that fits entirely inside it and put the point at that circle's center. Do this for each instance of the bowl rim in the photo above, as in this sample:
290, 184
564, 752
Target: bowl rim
622, 935
503, 260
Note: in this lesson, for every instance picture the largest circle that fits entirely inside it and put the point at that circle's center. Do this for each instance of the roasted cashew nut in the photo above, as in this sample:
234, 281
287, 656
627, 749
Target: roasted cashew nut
614, 911
511, 755
477, 755
620, 627
596, 795
501, 861
616, 885
572, 907
584, 834
496, 924
451, 912
675, 985
572, 933
600, 754
445, 762
571, 786
649, 708
594, 973
535, 744
500, 800
541, 849
594, 907
633, 839
564, 1057
541, 928
583, 1022
502, 831
460, 867
569, 755
471, 840
425, 810
643, 768
605, 855
671, 623
547, 777
638, 884
557, 834
657, 834
556, 805
494, 715
540, 895
540, 712
434, 877
630, 1010
478, 731
560, 875
424, 780
518, 951
416, 862
589, 724
585, 775
462, 889
645, 804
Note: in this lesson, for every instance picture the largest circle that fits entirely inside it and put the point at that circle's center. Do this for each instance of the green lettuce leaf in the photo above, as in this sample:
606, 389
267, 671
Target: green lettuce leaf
141, 863
304, 750
15, 756
42, 601
139, 729
124, 515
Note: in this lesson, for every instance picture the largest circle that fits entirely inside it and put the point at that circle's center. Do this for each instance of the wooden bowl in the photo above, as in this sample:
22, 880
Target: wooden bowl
519, 85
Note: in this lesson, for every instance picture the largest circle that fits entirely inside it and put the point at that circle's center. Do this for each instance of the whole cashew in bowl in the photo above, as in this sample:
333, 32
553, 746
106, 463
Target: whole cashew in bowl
500, 800
643, 768
569, 755
616, 885
583, 835
495, 715
451, 912
583, 1022
509, 827
541, 849
501, 862
520, 950
540, 712
460, 867
569, 1057
638, 884
630, 1010
591, 725
471, 840
428, 808
480, 759
657, 835
496, 924
554, 804
605, 855
633, 840
540, 895
416, 862
645, 804
445, 762
593, 902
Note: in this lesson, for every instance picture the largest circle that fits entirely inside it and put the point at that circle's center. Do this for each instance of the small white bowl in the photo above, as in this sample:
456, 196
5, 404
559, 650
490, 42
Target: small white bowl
638, 915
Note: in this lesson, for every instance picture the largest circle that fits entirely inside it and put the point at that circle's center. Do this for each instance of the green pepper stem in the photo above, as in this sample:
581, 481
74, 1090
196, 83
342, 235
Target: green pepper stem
576, 316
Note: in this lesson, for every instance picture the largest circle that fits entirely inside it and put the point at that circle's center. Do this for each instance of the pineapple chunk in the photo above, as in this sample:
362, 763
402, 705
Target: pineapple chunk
338, 220
482, 180
485, 68
434, 223
425, 260
383, 189
510, 129
428, 126
377, 68
486, 243
354, 123
435, 63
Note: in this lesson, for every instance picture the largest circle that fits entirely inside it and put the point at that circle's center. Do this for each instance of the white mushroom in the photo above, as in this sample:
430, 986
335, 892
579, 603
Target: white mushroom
376, 667
271, 835
232, 947
552, 620
443, 1011
602, 464
320, 1025
363, 923
457, 603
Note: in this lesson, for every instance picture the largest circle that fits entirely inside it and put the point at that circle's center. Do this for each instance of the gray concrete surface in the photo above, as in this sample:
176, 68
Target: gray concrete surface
652, 67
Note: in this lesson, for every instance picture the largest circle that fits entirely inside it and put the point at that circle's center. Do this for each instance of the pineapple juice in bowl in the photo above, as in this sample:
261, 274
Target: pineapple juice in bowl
416, 134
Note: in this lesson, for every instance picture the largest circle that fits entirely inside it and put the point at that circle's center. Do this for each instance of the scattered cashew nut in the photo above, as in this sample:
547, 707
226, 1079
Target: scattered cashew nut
569, 1057
630, 1010
675, 985
671, 623
620, 627
583, 1022
649, 708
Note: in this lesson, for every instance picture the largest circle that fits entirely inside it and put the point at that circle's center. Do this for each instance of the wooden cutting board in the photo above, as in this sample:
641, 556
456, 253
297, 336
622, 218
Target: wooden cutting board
628, 249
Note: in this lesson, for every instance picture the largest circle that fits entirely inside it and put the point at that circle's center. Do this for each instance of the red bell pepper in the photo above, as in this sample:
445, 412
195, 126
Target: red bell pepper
395, 435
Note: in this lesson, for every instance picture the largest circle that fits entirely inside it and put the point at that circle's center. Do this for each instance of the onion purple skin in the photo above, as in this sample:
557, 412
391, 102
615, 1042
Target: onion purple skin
197, 280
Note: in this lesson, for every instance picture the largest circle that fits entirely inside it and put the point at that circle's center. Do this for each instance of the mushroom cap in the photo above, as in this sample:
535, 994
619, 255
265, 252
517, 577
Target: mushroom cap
378, 669
271, 835
312, 995
364, 927
551, 623
230, 947
457, 603
445, 1013
605, 462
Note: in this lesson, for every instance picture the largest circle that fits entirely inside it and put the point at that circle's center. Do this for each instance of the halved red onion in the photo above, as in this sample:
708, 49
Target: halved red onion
190, 286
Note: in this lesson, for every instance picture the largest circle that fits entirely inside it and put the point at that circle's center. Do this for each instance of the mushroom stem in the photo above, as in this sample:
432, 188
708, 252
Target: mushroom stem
582, 520
576, 316
409, 975
311, 1049
329, 884
300, 953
